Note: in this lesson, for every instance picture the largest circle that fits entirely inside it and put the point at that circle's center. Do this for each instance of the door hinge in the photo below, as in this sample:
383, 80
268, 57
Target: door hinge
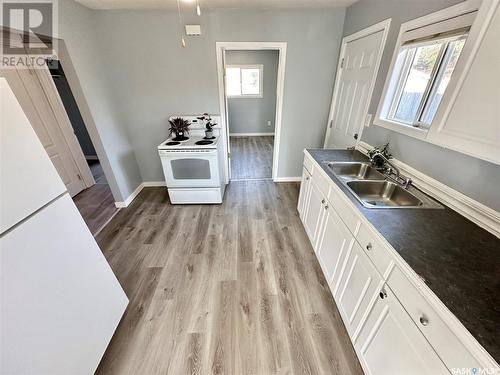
342, 63
331, 123
79, 177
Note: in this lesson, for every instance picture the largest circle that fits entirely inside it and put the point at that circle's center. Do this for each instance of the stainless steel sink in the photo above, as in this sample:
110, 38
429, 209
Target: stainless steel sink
355, 170
374, 189
383, 194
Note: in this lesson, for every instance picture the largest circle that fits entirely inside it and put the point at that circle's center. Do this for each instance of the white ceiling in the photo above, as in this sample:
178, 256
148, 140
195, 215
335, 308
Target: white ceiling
228, 4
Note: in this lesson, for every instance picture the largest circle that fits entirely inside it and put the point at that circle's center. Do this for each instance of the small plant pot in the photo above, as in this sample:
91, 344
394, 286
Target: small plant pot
180, 137
209, 133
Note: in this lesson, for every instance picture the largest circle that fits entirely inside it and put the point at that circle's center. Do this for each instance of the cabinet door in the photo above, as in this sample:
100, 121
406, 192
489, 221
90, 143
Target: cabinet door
304, 191
334, 242
359, 285
313, 213
390, 343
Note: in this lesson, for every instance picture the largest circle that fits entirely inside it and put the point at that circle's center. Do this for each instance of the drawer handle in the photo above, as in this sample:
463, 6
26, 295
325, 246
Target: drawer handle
323, 201
424, 320
383, 294
369, 246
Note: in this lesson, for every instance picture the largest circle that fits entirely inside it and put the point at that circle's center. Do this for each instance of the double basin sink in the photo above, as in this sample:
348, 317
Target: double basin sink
373, 189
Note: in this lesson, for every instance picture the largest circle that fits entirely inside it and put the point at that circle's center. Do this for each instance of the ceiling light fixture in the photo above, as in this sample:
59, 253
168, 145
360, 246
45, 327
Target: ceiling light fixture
183, 42
198, 9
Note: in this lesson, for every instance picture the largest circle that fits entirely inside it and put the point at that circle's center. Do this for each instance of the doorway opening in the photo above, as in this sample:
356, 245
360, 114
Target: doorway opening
251, 83
95, 203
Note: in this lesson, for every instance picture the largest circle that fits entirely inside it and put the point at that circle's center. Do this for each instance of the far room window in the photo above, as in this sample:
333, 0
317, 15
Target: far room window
425, 62
244, 81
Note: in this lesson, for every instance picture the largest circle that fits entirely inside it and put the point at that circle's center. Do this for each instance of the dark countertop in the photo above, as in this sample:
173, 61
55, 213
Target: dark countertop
459, 260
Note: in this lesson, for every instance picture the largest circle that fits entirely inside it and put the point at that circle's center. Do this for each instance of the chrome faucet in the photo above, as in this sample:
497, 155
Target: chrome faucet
406, 182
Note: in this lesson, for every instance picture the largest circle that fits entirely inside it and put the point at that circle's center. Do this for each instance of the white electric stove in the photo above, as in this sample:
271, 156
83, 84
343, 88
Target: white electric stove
194, 168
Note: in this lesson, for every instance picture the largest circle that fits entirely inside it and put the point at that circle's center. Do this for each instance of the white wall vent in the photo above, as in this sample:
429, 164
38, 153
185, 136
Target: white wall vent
193, 30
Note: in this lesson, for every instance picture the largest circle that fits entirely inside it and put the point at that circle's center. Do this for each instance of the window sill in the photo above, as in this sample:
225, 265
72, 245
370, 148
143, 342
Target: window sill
246, 97
401, 128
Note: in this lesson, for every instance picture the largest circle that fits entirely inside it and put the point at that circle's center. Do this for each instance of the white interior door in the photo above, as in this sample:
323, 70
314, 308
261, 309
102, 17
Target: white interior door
27, 88
357, 73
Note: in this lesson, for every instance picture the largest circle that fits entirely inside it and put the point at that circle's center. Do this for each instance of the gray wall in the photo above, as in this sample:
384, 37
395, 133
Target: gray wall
151, 76
77, 26
251, 115
475, 178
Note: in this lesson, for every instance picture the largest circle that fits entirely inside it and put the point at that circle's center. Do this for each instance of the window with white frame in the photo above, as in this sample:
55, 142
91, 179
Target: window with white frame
421, 71
244, 81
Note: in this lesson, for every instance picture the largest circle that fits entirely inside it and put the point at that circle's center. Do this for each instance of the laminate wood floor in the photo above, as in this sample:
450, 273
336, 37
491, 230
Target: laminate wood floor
251, 157
96, 204
222, 289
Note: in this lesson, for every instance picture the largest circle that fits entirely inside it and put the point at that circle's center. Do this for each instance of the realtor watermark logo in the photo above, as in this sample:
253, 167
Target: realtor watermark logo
475, 371
28, 33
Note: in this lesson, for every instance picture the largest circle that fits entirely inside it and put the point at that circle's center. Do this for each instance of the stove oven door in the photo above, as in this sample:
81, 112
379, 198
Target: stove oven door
190, 168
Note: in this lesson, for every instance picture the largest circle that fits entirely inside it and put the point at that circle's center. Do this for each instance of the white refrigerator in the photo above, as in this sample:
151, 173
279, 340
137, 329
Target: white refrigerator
60, 302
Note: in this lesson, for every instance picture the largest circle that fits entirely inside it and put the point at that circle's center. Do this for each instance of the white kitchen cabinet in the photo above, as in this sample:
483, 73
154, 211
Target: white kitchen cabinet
334, 243
359, 285
390, 343
387, 333
305, 186
314, 212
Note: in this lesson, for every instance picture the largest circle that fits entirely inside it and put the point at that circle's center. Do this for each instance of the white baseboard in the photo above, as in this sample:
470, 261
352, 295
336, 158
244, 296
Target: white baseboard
287, 179
136, 192
251, 134
154, 184
484, 216
91, 157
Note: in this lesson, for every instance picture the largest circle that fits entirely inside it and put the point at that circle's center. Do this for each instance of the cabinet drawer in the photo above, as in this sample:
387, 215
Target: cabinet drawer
308, 162
448, 346
348, 213
376, 250
321, 181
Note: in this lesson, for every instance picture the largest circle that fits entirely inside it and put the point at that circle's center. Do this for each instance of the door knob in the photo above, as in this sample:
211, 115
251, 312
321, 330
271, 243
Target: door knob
424, 320
369, 246
323, 201
383, 294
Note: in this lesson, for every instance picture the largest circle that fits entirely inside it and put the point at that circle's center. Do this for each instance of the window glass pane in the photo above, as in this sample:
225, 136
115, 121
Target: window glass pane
250, 81
233, 83
424, 60
450, 61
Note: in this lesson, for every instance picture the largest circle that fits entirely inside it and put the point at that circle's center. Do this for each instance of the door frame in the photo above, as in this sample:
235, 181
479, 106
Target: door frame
221, 48
380, 26
55, 101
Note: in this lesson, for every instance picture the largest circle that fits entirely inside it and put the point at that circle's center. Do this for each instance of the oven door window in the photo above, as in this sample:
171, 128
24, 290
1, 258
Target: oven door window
190, 169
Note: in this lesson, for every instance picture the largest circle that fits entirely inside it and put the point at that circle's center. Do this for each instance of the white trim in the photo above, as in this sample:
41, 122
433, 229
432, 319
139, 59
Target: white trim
486, 217
287, 179
380, 26
130, 198
251, 134
154, 184
221, 47
136, 192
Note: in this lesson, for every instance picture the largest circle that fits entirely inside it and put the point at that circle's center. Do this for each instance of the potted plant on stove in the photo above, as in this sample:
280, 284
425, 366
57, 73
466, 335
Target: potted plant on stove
179, 128
209, 132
